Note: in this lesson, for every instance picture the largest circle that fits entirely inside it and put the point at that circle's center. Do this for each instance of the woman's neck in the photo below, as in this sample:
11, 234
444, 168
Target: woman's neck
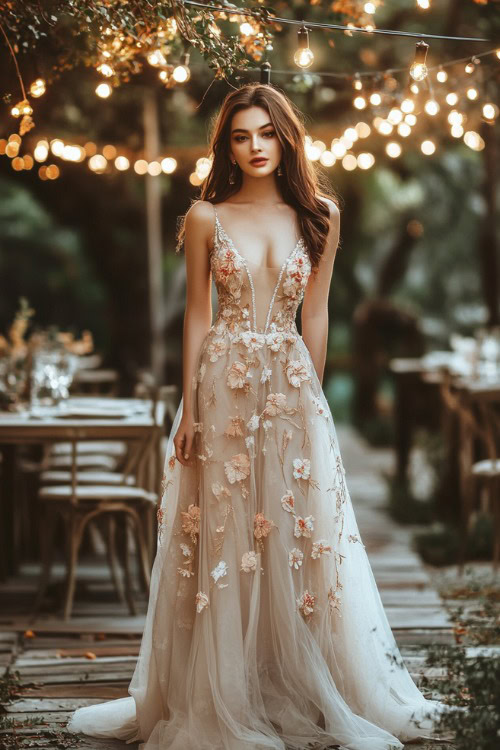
259, 190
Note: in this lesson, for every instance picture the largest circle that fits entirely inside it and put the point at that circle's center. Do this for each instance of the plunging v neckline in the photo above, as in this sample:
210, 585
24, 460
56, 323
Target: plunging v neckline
251, 263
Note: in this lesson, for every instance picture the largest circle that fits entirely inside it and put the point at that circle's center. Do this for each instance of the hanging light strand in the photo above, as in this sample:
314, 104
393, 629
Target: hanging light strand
233, 10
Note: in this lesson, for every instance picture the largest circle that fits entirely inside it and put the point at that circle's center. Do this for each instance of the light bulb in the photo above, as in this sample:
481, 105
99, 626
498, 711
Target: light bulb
37, 88
103, 90
304, 56
431, 107
181, 74
490, 111
418, 69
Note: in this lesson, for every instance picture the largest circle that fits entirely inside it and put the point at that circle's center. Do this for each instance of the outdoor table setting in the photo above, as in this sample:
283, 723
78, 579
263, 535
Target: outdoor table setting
460, 393
133, 420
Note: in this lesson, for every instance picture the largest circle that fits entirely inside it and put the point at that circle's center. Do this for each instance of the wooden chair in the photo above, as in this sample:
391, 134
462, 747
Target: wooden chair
479, 423
131, 500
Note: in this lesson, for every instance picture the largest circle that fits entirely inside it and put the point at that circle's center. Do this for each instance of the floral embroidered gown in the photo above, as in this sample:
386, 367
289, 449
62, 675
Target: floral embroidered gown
265, 628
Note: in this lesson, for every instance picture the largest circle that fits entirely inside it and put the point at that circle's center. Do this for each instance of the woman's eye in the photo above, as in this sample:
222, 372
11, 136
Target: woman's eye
269, 132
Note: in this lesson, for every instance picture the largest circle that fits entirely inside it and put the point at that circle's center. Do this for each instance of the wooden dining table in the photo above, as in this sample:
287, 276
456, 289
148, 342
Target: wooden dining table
77, 418
419, 404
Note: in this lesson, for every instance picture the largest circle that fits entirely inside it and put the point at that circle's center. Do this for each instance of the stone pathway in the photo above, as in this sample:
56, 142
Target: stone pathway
92, 657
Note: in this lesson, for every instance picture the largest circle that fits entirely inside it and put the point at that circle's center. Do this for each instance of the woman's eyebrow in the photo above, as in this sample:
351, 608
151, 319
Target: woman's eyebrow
242, 130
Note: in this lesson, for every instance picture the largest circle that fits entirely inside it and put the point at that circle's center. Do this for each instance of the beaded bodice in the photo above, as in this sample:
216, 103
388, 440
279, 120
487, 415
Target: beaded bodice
254, 298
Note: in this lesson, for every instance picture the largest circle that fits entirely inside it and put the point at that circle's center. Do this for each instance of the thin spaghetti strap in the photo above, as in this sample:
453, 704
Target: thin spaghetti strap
216, 225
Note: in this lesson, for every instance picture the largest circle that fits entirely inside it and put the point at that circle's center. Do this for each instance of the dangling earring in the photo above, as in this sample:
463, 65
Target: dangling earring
231, 174
280, 171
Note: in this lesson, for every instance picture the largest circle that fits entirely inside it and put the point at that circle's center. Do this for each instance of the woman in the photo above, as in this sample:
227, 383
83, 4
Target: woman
265, 628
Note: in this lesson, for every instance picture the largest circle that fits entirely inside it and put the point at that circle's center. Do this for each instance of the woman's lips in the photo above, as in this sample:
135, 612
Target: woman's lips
257, 162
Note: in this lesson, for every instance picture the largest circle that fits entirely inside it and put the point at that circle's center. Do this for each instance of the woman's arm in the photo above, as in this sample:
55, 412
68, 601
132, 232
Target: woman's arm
314, 316
199, 228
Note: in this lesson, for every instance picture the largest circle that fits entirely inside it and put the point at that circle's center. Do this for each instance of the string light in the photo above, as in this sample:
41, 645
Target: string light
431, 107
304, 56
106, 70
21, 109
156, 58
182, 73
122, 163
418, 69
441, 75
103, 90
38, 88
393, 149
428, 147
490, 111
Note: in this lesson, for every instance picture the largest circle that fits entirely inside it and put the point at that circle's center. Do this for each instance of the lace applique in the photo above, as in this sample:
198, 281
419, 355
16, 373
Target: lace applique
202, 601
303, 526
219, 571
306, 603
262, 528
249, 561
191, 522
320, 548
288, 502
220, 531
295, 558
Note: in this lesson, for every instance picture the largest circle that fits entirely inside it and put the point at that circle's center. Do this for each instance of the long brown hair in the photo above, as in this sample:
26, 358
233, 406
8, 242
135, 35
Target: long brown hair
302, 183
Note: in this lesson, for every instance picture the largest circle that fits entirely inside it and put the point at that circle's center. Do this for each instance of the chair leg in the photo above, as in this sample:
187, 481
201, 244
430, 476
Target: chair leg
467, 505
47, 529
494, 488
126, 566
74, 532
112, 559
142, 552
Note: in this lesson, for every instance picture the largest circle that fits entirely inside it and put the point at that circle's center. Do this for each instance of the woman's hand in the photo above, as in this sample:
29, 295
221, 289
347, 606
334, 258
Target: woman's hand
184, 440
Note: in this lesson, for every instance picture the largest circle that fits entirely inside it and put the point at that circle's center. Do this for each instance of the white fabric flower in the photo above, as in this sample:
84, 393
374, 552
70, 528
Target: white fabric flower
297, 371
303, 526
252, 340
319, 548
219, 490
265, 375
249, 561
216, 348
187, 550
301, 468
288, 502
202, 601
295, 557
253, 422
237, 468
219, 571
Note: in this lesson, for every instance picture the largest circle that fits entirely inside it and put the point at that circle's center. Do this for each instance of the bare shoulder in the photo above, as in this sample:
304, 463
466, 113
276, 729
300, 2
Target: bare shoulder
199, 224
201, 214
334, 209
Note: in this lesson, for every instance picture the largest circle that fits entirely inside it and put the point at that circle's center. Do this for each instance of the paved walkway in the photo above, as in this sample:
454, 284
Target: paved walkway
413, 606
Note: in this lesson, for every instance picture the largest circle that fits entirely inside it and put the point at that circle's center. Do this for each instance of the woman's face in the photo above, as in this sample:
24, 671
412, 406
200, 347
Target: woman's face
254, 137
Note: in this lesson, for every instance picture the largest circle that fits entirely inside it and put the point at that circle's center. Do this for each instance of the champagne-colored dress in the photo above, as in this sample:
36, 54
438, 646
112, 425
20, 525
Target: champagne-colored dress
265, 627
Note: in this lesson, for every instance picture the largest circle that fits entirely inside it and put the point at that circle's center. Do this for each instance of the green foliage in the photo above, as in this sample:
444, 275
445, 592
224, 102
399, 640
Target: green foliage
440, 545
472, 666
46, 263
